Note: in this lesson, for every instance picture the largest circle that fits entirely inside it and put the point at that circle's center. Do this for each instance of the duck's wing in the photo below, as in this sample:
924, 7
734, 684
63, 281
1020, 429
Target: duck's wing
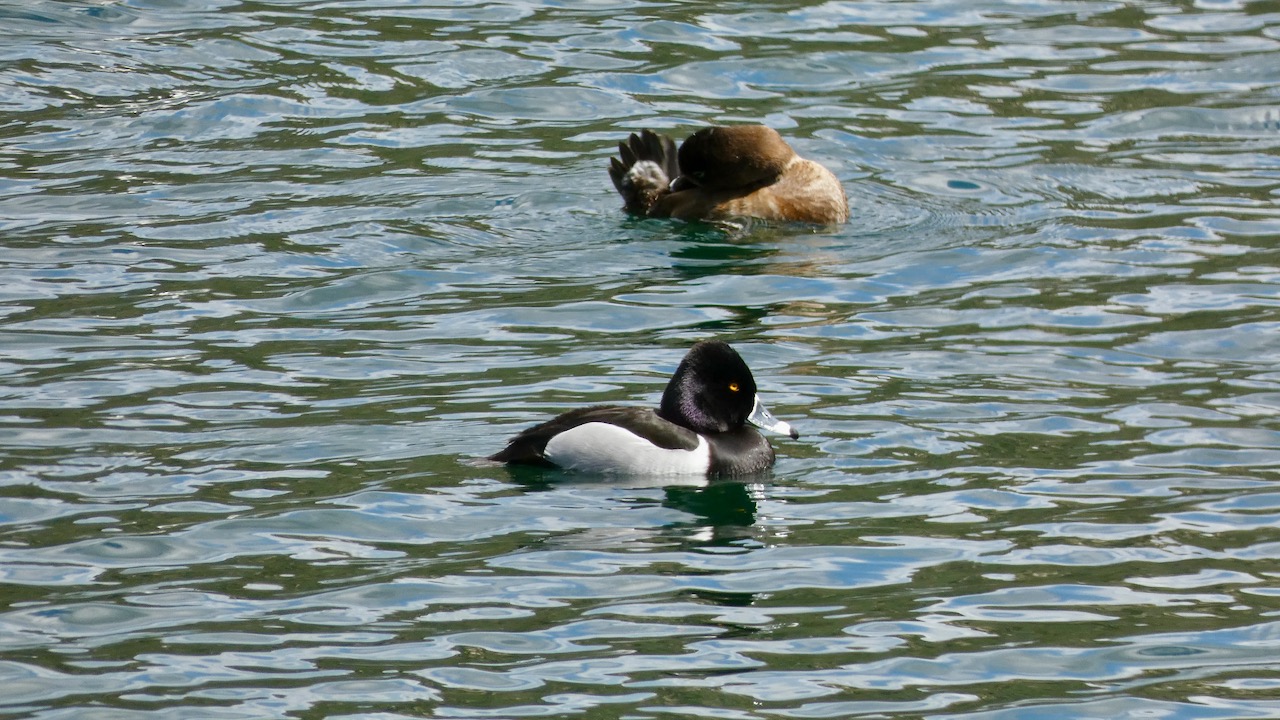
643, 170
529, 447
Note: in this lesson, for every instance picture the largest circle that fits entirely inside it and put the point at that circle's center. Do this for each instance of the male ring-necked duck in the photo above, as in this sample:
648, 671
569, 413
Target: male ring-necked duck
725, 172
699, 429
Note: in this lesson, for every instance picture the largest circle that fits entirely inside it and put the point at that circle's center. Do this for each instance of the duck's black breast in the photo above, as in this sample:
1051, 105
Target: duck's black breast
529, 447
739, 452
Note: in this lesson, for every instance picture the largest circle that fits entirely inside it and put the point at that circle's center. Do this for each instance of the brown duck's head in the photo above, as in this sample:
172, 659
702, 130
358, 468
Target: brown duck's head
737, 156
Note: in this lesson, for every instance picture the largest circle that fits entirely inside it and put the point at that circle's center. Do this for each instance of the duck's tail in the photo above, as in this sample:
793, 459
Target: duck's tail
643, 171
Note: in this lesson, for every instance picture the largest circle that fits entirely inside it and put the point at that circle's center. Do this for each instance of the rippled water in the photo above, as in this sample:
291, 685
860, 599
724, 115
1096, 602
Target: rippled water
276, 275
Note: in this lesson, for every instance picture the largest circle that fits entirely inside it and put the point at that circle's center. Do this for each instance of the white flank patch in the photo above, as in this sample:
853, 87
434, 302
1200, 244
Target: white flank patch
604, 448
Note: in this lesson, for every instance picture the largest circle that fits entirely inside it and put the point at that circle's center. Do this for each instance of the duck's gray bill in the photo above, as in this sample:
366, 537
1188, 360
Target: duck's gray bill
763, 419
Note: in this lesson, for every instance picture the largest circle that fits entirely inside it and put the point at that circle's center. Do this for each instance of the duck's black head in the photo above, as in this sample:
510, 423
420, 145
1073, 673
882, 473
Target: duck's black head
712, 391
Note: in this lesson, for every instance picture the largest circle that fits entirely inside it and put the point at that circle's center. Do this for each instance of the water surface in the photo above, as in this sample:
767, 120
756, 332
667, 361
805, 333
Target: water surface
277, 275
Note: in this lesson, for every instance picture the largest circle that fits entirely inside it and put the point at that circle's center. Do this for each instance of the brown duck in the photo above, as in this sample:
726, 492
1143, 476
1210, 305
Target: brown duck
725, 172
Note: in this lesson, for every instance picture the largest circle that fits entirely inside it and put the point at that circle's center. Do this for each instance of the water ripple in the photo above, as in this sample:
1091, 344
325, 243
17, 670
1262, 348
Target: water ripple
279, 275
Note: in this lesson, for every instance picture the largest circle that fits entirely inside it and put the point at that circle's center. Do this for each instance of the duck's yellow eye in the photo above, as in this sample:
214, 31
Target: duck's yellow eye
733, 387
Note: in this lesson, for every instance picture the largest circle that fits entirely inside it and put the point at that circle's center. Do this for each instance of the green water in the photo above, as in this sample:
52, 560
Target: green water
276, 276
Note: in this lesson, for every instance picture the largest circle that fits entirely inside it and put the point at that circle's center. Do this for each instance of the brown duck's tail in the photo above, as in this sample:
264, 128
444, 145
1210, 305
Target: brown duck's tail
643, 171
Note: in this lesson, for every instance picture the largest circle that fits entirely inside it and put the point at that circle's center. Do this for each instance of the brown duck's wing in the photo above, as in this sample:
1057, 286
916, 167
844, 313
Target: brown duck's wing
529, 447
